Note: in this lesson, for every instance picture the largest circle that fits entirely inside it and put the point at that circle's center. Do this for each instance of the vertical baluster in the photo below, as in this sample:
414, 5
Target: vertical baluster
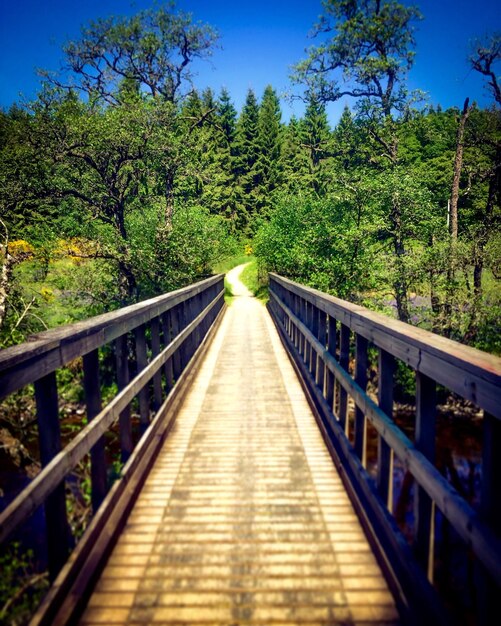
386, 370
296, 313
322, 337
344, 360
123, 376
176, 357
155, 349
182, 314
425, 443
314, 331
142, 362
49, 436
307, 323
168, 370
360, 444
92, 392
329, 376
302, 318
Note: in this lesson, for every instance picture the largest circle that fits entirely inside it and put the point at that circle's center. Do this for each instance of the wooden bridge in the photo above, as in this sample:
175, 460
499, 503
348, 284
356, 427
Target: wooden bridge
249, 493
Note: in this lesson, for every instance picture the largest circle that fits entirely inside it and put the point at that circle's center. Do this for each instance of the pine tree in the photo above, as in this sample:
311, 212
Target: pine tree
247, 154
270, 137
316, 141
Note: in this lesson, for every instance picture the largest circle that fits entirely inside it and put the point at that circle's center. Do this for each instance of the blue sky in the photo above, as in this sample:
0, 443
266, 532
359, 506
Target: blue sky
260, 40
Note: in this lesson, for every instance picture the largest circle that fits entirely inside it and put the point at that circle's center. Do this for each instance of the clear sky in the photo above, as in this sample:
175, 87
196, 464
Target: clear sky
260, 40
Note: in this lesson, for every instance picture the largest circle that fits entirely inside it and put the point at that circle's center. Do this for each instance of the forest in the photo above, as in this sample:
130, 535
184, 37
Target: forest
123, 180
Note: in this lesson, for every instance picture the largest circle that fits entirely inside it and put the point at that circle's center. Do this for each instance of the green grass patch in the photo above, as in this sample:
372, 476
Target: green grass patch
255, 282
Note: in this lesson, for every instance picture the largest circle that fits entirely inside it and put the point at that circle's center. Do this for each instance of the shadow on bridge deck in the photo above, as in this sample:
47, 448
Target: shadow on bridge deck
243, 518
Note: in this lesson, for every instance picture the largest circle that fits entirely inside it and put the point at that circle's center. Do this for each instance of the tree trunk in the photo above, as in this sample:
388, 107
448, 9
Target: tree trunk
453, 219
400, 285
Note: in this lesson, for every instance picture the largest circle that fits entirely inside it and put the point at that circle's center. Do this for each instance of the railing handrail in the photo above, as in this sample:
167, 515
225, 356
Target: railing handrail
438, 357
44, 352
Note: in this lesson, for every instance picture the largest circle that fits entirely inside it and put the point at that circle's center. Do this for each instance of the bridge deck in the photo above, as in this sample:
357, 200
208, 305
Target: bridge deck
243, 519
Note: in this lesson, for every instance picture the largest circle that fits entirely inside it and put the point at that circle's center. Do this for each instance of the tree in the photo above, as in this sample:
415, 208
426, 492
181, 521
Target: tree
316, 141
367, 57
269, 165
483, 60
247, 154
366, 53
151, 51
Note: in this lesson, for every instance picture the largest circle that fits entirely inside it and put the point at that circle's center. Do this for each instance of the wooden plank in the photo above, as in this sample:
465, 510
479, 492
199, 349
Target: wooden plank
384, 480
49, 437
123, 377
92, 391
424, 510
361, 364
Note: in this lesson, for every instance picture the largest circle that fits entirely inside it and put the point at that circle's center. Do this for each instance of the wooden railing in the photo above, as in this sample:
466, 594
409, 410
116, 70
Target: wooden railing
161, 336
327, 337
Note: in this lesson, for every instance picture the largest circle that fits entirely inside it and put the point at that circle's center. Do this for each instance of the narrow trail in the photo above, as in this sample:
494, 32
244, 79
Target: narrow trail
237, 286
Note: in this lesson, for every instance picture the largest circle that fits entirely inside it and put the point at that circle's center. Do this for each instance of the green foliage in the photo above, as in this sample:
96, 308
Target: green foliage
255, 280
21, 586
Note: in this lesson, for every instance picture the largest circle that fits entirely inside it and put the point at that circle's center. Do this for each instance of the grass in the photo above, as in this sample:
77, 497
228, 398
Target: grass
252, 279
228, 264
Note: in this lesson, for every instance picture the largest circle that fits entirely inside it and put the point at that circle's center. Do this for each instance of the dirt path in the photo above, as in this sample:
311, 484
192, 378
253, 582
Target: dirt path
233, 278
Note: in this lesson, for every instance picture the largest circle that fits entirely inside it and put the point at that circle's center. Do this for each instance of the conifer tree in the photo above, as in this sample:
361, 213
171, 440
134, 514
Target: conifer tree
315, 137
247, 154
269, 165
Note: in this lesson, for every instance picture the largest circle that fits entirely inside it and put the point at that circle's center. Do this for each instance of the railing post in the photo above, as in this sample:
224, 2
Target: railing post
386, 370
92, 392
322, 337
175, 326
424, 509
302, 317
155, 349
314, 331
490, 510
142, 362
344, 360
49, 435
167, 338
123, 377
361, 363
329, 376
306, 322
